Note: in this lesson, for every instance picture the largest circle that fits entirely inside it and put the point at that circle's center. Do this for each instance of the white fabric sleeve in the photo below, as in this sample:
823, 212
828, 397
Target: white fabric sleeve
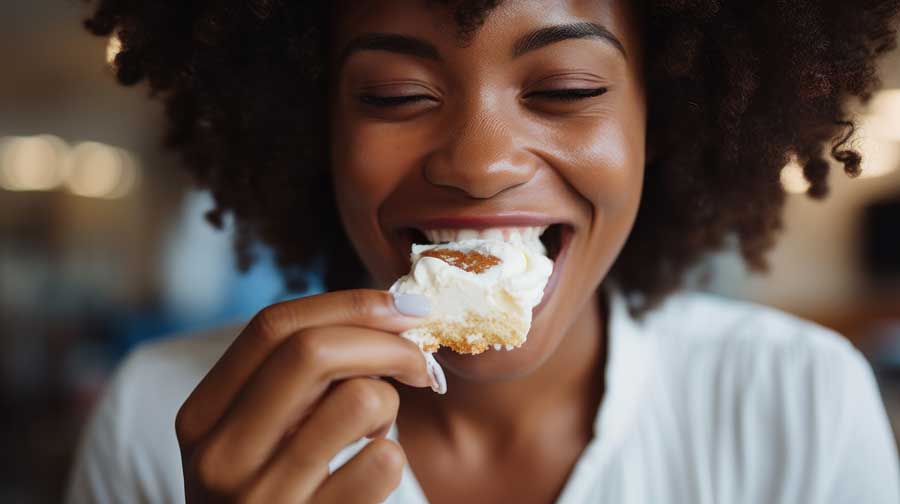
104, 469
866, 466
129, 451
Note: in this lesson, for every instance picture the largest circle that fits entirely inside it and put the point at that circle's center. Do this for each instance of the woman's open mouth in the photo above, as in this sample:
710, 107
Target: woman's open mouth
555, 239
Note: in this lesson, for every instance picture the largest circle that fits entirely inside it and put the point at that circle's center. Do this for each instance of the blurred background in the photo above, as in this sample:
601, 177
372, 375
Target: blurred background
103, 245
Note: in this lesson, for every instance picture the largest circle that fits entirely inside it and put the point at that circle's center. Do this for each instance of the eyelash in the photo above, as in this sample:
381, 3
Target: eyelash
571, 94
565, 95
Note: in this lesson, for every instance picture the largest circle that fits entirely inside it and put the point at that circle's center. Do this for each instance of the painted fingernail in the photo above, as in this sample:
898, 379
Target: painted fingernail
438, 380
413, 305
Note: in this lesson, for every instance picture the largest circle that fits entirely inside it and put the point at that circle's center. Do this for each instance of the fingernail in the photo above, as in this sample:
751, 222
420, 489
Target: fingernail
438, 380
413, 305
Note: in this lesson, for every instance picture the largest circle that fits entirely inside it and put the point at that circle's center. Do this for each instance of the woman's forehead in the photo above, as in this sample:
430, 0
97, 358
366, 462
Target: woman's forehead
456, 22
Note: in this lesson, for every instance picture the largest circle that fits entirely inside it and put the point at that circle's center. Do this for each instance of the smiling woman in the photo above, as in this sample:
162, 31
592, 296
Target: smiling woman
633, 137
733, 91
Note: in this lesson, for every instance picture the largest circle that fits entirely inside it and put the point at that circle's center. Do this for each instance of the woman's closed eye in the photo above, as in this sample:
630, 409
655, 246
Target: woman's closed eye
568, 94
572, 94
393, 101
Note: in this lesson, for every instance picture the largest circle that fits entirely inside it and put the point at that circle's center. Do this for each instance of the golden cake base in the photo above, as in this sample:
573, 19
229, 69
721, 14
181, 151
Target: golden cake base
474, 334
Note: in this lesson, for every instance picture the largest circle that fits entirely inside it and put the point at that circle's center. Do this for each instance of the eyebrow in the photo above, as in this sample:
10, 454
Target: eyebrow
391, 42
542, 37
552, 34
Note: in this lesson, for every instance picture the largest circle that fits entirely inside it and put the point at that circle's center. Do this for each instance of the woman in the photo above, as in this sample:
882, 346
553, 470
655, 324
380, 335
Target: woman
644, 133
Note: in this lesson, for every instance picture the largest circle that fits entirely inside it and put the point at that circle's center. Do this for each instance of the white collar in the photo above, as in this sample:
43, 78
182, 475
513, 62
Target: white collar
630, 354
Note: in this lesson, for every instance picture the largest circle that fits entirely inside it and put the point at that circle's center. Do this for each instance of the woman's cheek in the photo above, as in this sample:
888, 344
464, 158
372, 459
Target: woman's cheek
623, 155
374, 158
604, 163
361, 180
369, 161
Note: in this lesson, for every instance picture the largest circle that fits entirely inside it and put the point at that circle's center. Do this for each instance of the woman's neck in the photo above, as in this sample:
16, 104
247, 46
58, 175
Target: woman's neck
566, 389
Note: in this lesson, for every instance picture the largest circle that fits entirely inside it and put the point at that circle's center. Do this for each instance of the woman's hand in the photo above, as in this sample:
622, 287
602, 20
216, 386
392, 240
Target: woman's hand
294, 389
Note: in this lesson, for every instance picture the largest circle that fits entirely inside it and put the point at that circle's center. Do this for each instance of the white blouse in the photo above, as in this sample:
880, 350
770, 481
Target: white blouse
707, 400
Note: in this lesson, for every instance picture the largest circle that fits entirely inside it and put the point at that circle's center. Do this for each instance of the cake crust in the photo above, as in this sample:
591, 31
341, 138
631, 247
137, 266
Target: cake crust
472, 335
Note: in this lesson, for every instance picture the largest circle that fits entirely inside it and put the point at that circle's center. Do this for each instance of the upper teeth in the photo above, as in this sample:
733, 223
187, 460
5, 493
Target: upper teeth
507, 234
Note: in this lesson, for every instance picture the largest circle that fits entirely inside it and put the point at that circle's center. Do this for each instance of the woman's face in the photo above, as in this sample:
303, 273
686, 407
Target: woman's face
520, 127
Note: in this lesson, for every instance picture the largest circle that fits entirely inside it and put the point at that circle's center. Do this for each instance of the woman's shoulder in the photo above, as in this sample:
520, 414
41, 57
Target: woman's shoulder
156, 377
181, 355
128, 447
702, 323
168, 368
757, 358
761, 362
788, 395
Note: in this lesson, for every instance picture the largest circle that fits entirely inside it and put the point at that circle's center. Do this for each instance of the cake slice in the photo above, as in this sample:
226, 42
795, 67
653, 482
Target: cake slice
482, 291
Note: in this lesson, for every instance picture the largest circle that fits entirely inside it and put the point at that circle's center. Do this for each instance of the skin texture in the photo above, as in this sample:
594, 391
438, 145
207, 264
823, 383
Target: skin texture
481, 146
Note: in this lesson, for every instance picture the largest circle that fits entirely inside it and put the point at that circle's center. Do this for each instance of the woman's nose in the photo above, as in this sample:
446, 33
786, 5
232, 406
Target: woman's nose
483, 157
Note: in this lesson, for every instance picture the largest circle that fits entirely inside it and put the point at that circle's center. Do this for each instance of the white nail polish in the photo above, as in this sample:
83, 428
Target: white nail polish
414, 305
439, 381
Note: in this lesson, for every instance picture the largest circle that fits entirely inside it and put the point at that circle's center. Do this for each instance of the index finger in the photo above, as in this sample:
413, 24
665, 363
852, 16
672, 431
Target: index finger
267, 330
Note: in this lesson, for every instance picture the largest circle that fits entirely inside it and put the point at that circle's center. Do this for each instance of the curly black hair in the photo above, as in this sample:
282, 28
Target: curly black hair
735, 90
